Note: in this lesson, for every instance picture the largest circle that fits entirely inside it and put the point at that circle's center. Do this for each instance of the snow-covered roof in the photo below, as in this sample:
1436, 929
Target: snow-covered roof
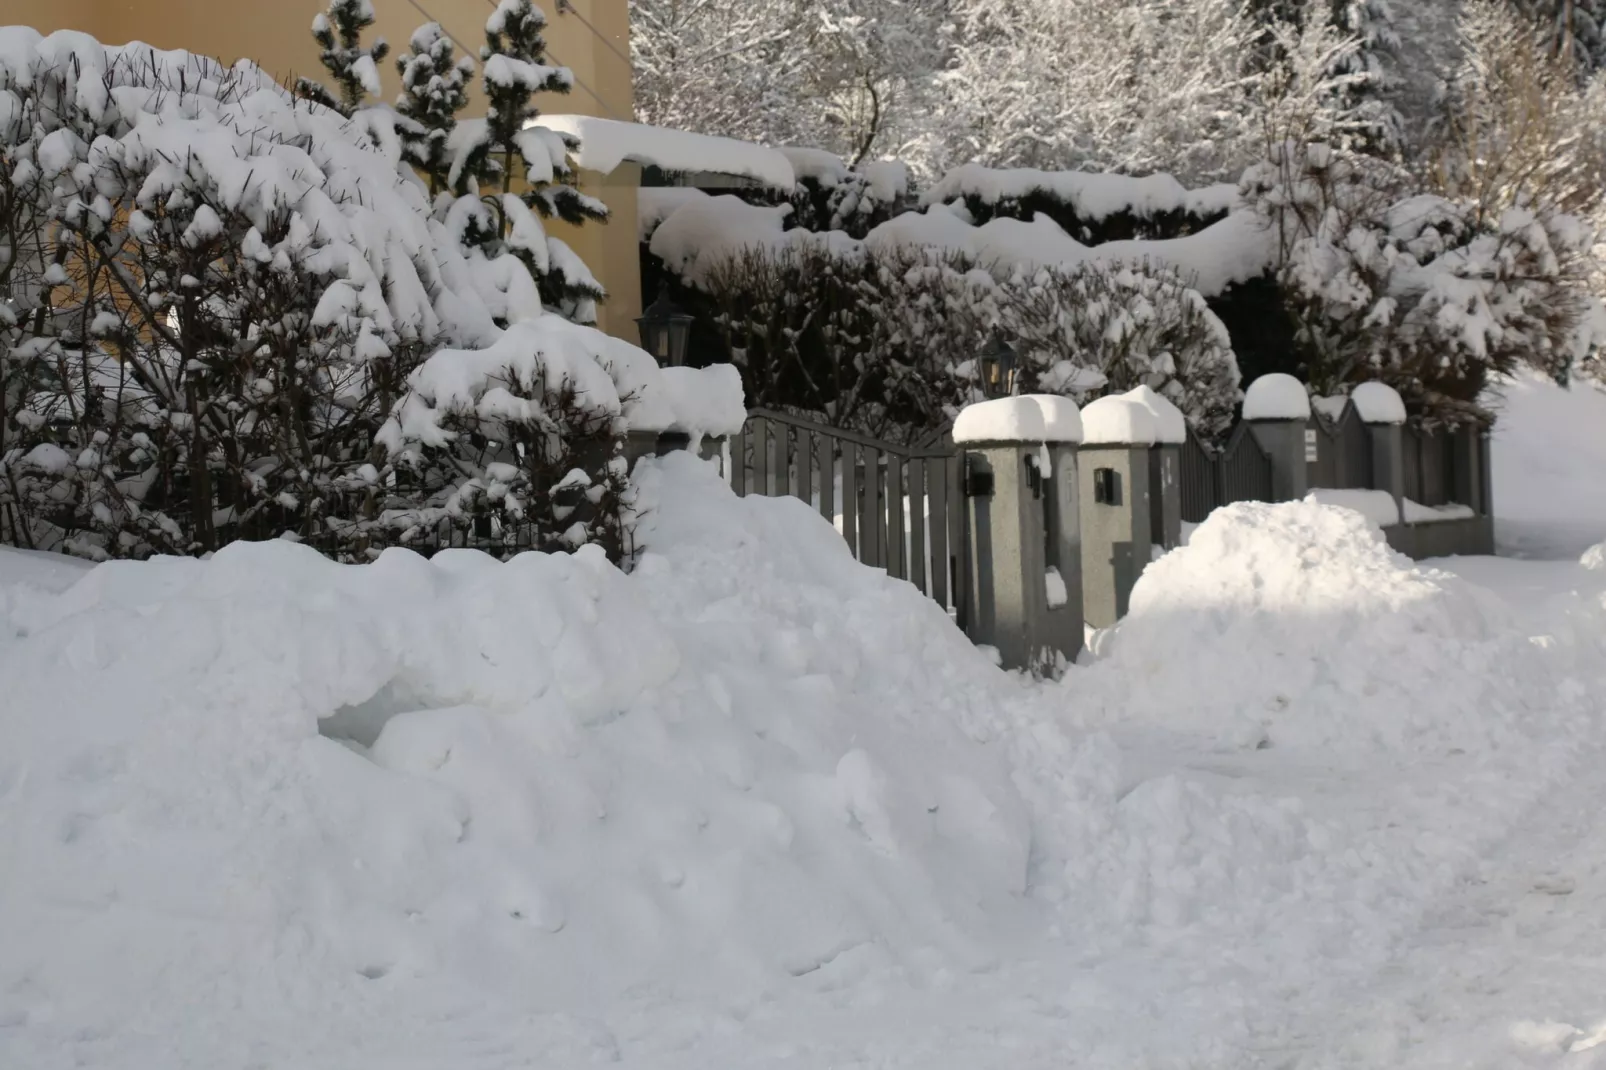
1378, 403
1277, 396
1118, 421
607, 143
1001, 420
1096, 196
654, 204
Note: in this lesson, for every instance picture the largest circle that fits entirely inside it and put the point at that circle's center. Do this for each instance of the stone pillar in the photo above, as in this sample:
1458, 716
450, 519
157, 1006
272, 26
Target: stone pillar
1165, 467
1277, 410
1382, 410
1020, 515
1062, 628
1117, 529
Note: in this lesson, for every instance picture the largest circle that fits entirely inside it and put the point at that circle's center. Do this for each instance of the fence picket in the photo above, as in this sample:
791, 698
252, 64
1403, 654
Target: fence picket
918, 519
873, 525
937, 489
850, 497
897, 546
825, 465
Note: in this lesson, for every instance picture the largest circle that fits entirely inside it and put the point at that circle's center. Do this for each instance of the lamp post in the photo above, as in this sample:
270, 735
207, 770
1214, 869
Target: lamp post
665, 331
999, 364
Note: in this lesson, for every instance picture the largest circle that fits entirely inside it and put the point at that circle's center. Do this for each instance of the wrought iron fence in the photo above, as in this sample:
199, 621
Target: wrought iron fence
1240, 471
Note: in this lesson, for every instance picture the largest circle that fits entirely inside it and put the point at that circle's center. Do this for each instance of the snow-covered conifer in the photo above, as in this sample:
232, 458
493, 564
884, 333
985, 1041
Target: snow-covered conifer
434, 91
354, 68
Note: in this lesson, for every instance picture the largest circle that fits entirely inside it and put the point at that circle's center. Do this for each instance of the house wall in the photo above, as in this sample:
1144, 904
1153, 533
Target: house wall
276, 35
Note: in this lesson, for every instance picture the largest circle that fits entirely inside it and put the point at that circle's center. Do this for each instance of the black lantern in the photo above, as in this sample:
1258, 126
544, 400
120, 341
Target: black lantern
665, 330
998, 367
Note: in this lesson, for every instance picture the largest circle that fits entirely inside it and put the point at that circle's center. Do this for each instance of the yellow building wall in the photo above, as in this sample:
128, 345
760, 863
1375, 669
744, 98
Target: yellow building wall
276, 35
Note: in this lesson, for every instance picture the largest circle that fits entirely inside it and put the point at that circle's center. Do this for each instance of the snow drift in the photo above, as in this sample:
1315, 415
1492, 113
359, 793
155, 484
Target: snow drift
265, 809
1296, 625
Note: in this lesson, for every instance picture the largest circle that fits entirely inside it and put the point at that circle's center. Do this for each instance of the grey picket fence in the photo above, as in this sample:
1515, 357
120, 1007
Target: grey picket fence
899, 508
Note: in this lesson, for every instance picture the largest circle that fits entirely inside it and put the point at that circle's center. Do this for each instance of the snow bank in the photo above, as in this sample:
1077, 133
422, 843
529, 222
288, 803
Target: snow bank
1276, 397
1274, 622
1170, 426
1119, 420
1378, 403
607, 143
1091, 195
554, 784
1019, 419
751, 804
1548, 462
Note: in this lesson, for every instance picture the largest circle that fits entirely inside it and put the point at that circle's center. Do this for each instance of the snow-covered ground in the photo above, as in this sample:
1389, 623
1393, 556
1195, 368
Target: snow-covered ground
754, 805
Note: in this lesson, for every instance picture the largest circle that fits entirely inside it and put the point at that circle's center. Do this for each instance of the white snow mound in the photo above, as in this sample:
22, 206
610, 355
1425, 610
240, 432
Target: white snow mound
1295, 624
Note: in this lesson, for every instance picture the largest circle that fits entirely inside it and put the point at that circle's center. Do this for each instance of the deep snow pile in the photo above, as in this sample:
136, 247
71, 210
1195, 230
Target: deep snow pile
752, 790
1274, 625
1549, 466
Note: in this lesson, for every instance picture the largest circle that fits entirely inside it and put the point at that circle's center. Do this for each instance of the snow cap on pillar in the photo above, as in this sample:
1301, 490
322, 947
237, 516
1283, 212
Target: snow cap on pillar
1118, 421
1170, 426
1378, 403
1062, 420
1277, 397
1017, 419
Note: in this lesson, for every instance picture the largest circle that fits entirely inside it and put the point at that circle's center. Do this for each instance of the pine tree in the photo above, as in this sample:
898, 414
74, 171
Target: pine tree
434, 90
515, 70
355, 69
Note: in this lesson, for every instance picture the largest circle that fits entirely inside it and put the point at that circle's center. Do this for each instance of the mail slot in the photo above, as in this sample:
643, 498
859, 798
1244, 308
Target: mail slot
1106, 486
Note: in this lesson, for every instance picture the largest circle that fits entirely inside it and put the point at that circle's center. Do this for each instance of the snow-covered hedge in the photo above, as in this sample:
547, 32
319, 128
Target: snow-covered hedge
882, 334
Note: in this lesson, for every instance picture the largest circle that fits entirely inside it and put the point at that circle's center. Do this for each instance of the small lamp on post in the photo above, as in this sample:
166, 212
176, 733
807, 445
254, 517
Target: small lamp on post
998, 367
665, 331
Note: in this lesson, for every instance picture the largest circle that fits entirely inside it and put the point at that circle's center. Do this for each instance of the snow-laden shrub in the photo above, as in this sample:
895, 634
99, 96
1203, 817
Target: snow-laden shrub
883, 339
1425, 293
215, 294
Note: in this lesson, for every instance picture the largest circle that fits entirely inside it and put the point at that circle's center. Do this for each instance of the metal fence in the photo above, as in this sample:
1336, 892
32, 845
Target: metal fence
899, 508
1239, 471
1343, 451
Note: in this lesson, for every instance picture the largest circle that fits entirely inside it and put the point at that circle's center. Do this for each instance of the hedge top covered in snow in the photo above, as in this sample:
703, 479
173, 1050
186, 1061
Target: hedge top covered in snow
1170, 426
1095, 196
1378, 403
1277, 396
699, 234
1018, 420
607, 143
1062, 421
1119, 420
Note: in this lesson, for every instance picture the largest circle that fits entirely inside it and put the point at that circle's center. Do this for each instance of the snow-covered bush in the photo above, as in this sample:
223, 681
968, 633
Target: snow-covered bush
1428, 294
217, 298
884, 340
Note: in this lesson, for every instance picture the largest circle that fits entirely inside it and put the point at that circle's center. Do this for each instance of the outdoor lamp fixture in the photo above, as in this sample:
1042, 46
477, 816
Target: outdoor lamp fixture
998, 366
665, 330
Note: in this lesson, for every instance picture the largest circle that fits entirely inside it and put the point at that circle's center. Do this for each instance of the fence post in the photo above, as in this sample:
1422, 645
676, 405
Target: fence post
1002, 448
1062, 623
1165, 467
1382, 410
1117, 437
1277, 410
